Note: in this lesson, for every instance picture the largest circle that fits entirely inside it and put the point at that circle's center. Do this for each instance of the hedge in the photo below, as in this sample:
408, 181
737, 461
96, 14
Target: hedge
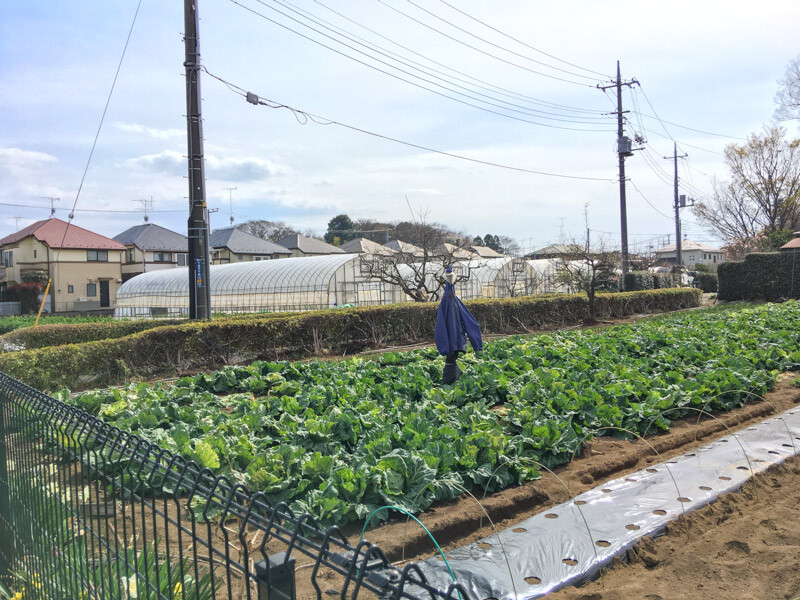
644, 280
77, 333
707, 282
175, 349
773, 276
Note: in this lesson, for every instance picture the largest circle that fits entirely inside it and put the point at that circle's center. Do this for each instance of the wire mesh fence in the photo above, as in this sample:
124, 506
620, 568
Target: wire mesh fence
88, 511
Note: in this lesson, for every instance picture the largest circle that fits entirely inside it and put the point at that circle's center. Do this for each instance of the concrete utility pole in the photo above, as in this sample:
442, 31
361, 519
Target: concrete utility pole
199, 290
624, 149
677, 206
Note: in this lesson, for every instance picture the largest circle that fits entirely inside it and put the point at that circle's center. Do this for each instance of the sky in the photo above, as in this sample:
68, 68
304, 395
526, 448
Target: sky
521, 77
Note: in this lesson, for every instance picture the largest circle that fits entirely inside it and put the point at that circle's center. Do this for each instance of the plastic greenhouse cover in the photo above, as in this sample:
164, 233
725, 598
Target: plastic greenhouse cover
569, 543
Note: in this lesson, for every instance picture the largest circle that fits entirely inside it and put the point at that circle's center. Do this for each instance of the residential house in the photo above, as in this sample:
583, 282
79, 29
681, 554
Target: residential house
300, 245
793, 244
84, 266
408, 250
231, 245
150, 247
564, 251
692, 253
365, 246
485, 252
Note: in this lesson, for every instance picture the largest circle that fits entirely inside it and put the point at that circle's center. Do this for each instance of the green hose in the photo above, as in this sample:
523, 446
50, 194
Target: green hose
430, 535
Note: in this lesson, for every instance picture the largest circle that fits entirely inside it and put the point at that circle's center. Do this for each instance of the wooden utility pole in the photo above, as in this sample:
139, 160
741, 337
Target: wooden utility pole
624, 149
199, 290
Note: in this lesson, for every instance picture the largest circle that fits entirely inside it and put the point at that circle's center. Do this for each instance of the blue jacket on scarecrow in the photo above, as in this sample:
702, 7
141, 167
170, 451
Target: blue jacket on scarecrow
454, 323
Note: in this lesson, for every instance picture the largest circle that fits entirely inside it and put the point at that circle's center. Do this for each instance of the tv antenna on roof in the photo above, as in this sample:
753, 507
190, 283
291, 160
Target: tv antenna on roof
230, 200
146, 205
53, 200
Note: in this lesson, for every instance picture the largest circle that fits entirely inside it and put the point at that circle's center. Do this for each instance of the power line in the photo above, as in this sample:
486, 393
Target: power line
484, 40
653, 206
393, 75
498, 89
463, 43
304, 116
416, 66
89, 210
722, 135
523, 43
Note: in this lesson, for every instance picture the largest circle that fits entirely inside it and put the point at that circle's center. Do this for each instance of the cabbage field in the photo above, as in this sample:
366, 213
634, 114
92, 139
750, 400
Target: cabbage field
341, 438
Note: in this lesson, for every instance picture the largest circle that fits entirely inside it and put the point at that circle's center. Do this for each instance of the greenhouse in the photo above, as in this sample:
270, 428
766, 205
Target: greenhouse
285, 284
505, 277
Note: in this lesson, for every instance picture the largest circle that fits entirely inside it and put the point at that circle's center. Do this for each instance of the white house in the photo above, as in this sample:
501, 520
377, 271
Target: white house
692, 253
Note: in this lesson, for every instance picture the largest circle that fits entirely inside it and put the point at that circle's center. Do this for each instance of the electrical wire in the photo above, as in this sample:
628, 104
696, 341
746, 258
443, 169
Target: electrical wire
91, 210
99, 127
653, 206
393, 75
485, 41
531, 99
304, 116
722, 135
416, 66
489, 54
523, 43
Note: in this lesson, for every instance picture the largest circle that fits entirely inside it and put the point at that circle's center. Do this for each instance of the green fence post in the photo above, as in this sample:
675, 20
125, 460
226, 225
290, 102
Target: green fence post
6, 532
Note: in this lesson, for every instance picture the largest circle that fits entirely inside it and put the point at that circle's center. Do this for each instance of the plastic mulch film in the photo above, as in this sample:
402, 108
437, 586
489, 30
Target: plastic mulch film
569, 543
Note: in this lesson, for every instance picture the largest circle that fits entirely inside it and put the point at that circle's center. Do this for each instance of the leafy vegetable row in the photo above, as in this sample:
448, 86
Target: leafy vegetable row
339, 439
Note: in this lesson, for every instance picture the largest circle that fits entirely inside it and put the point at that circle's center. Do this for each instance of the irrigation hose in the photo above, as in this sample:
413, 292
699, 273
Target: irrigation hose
430, 535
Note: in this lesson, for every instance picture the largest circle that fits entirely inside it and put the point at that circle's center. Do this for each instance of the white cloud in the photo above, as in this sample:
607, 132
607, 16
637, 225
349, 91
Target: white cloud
159, 134
234, 169
15, 159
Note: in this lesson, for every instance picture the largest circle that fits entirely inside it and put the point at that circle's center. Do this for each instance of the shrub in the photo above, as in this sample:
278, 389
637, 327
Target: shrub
773, 277
639, 280
173, 349
77, 333
664, 280
707, 282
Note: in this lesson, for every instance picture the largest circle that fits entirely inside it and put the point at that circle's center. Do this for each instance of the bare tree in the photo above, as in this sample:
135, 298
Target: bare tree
267, 230
763, 194
588, 270
418, 262
520, 280
788, 96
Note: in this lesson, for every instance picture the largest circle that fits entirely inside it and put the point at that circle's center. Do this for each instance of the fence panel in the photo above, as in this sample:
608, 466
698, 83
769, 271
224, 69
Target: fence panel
88, 511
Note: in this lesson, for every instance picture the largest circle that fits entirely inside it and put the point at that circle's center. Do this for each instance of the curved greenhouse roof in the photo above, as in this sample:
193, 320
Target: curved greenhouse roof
311, 273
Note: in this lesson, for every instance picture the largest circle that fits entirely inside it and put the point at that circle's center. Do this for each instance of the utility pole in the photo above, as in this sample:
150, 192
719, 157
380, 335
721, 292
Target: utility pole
677, 205
199, 290
624, 149
230, 200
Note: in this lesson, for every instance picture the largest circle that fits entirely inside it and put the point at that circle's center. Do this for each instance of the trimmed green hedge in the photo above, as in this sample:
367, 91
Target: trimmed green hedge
773, 276
707, 282
636, 281
43, 336
173, 349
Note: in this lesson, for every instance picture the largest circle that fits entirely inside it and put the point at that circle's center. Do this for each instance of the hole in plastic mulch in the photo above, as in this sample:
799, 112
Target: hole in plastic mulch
551, 516
705, 488
684, 499
570, 562
603, 543
580, 502
632, 527
606, 490
652, 470
519, 530
659, 512
630, 479
533, 580
484, 545
724, 478
743, 468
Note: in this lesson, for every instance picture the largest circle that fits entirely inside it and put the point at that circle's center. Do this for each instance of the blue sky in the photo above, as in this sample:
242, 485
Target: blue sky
708, 65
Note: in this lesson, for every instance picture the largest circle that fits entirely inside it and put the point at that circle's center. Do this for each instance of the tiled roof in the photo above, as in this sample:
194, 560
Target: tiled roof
365, 246
792, 244
405, 248
51, 232
486, 252
688, 245
239, 242
308, 245
150, 236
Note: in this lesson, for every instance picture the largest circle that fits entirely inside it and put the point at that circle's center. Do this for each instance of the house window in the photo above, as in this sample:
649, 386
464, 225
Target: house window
97, 255
240, 257
8, 258
181, 260
130, 255
162, 256
70, 289
34, 254
91, 290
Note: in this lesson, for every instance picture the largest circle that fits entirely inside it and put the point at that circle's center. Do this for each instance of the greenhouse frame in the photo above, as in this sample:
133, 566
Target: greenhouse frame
280, 285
